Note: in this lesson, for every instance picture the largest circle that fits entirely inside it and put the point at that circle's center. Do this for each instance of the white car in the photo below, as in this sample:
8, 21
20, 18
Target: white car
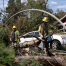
29, 38
57, 40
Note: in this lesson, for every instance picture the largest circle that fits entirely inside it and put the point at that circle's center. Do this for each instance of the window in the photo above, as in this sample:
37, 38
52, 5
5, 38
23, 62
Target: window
37, 34
34, 33
28, 36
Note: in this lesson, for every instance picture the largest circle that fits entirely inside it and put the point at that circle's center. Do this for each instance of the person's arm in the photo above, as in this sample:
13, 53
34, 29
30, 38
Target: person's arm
39, 30
18, 33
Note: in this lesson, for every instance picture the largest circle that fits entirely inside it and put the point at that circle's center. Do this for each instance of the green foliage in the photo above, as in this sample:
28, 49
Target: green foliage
30, 62
14, 7
4, 32
25, 62
60, 13
33, 62
6, 56
29, 20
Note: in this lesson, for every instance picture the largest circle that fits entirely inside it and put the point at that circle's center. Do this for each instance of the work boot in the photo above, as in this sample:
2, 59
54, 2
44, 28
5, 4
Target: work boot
44, 52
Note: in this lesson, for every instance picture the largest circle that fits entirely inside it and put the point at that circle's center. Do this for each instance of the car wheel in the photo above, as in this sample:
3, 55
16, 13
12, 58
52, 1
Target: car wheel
55, 44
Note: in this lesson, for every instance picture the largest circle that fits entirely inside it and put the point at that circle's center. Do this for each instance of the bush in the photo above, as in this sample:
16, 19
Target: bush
33, 62
4, 32
6, 56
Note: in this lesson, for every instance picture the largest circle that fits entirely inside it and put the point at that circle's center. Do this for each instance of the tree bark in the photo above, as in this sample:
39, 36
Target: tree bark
53, 61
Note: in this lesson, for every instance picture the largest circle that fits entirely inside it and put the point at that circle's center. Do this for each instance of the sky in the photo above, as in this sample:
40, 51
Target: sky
53, 4
57, 4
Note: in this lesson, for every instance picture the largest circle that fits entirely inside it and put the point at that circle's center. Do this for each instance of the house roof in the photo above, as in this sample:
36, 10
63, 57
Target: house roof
60, 19
63, 17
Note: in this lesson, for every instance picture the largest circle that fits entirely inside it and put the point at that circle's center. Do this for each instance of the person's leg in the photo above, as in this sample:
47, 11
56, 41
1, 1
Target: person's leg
16, 48
44, 48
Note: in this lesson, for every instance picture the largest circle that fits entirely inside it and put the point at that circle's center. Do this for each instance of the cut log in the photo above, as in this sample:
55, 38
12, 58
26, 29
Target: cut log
57, 61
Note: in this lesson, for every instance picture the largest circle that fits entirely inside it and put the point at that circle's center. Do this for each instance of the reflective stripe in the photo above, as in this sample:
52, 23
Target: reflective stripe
44, 30
16, 35
41, 29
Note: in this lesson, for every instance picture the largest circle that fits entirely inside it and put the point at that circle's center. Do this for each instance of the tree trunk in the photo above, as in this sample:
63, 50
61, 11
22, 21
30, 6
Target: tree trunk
53, 61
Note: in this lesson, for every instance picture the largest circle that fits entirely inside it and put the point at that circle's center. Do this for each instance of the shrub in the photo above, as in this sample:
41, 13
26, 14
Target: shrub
4, 32
6, 55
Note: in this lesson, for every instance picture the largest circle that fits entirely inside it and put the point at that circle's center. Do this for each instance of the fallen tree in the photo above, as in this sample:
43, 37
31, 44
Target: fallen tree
53, 61
56, 60
47, 52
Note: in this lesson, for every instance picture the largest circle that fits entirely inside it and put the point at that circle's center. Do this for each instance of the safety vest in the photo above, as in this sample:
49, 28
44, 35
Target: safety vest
44, 30
16, 35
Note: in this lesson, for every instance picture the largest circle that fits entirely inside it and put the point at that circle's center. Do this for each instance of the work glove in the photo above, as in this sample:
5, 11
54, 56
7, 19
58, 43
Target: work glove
41, 36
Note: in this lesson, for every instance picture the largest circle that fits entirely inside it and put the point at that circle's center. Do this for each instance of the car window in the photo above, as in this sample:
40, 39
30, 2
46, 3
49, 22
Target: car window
29, 36
36, 34
30, 33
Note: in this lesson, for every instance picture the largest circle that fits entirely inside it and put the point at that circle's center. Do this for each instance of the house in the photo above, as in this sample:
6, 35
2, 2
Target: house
59, 26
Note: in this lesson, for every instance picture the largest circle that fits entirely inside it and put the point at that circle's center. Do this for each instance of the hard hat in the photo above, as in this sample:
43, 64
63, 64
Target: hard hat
14, 26
45, 19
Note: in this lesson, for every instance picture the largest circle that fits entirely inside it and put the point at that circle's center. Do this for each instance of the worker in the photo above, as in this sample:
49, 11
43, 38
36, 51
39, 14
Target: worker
43, 31
14, 36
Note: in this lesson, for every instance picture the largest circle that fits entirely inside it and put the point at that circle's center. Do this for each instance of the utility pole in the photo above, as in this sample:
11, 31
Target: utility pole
3, 7
3, 11
3, 3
